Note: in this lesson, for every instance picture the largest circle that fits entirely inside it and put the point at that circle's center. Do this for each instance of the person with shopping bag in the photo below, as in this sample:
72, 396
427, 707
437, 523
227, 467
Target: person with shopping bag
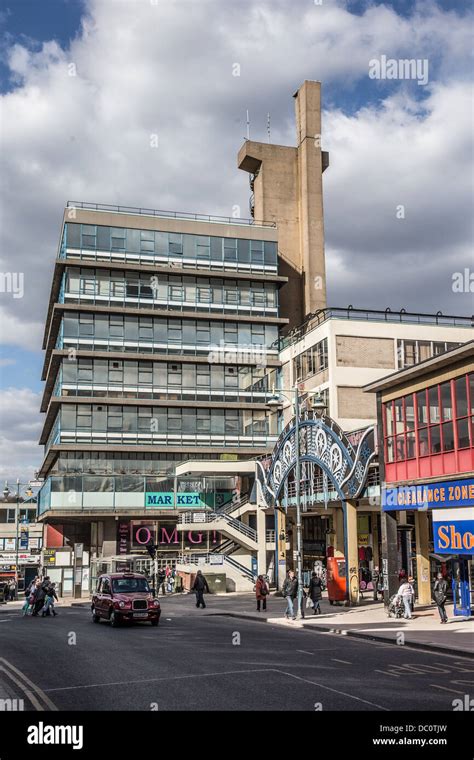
261, 592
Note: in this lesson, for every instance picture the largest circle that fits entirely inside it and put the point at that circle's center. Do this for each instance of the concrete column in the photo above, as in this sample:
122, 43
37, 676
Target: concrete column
338, 526
280, 525
352, 558
261, 541
375, 539
388, 521
422, 535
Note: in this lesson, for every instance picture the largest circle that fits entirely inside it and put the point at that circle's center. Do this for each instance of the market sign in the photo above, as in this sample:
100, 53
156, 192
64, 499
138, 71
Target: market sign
169, 500
453, 531
450, 493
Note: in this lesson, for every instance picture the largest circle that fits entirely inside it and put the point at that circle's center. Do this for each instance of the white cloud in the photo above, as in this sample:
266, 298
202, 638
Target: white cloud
143, 69
20, 454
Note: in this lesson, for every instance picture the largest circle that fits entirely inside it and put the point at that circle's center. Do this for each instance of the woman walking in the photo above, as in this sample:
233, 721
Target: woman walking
261, 592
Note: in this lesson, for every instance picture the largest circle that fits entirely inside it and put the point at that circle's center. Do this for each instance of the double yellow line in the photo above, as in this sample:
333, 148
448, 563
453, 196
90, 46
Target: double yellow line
33, 693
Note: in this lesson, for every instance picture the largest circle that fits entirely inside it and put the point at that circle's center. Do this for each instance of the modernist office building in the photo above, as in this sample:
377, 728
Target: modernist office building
161, 347
161, 342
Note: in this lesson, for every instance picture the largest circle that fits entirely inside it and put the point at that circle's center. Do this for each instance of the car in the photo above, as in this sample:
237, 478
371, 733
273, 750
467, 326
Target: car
122, 597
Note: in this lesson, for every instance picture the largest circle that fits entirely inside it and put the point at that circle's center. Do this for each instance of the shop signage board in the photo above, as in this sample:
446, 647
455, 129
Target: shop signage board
24, 533
22, 558
441, 495
170, 500
453, 531
167, 536
49, 556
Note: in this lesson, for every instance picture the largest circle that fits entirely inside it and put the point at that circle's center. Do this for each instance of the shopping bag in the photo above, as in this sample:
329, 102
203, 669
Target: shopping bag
309, 603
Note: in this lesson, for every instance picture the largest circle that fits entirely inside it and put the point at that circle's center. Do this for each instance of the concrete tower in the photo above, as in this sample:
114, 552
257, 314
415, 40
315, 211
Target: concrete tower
287, 188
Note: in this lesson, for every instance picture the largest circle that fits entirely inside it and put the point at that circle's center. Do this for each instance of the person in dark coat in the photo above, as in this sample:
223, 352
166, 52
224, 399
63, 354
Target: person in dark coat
161, 580
199, 587
290, 592
40, 595
440, 593
261, 592
51, 595
315, 593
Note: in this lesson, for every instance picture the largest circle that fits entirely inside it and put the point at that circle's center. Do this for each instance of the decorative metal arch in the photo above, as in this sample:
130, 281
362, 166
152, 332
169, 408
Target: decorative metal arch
323, 443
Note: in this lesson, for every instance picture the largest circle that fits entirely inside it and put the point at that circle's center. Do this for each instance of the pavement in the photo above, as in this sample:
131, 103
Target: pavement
367, 621
207, 660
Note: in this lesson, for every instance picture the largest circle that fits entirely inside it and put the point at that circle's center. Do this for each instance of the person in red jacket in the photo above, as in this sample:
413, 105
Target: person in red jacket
261, 592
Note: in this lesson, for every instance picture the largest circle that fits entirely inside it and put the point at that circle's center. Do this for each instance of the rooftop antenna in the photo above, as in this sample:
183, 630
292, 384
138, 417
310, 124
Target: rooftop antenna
248, 125
268, 126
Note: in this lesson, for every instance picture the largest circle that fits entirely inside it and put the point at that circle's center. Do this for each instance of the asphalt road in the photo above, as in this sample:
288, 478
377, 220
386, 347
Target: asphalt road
200, 661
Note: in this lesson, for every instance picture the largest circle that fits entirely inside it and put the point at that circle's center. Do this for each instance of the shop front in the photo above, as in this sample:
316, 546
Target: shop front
436, 534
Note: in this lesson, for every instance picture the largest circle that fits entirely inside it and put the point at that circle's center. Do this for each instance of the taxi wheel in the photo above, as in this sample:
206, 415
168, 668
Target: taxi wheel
154, 623
95, 617
114, 619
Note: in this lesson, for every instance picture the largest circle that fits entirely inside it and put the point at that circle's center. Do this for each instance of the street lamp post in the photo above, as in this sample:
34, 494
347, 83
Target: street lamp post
17, 521
317, 404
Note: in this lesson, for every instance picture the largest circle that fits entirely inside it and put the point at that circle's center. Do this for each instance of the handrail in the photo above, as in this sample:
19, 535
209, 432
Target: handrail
233, 506
167, 214
375, 315
213, 516
195, 559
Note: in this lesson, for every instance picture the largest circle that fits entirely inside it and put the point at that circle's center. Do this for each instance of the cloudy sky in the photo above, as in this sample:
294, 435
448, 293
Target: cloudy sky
85, 83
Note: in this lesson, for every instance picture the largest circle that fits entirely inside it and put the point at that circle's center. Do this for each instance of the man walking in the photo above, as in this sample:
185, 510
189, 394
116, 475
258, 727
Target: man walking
199, 587
440, 593
290, 592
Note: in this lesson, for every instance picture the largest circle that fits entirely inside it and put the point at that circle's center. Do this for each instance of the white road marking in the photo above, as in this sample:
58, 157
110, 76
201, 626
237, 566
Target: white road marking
386, 673
222, 673
435, 686
164, 678
336, 691
28, 694
304, 652
345, 662
16, 674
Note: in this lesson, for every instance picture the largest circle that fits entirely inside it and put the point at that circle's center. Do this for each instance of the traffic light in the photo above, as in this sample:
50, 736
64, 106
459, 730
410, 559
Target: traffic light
151, 549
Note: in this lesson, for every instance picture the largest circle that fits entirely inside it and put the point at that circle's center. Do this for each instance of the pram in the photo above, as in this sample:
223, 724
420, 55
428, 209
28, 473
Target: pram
396, 607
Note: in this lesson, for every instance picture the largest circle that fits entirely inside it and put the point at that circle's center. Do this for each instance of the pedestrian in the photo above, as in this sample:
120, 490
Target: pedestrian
38, 596
170, 583
406, 591
49, 600
199, 587
402, 574
6, 591
411, 581
375, 582
290, 592
261, 592
440, 593
315, 592
161, 580
12, 590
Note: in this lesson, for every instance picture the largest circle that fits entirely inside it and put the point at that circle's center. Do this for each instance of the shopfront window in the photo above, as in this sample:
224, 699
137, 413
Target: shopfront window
432, 421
